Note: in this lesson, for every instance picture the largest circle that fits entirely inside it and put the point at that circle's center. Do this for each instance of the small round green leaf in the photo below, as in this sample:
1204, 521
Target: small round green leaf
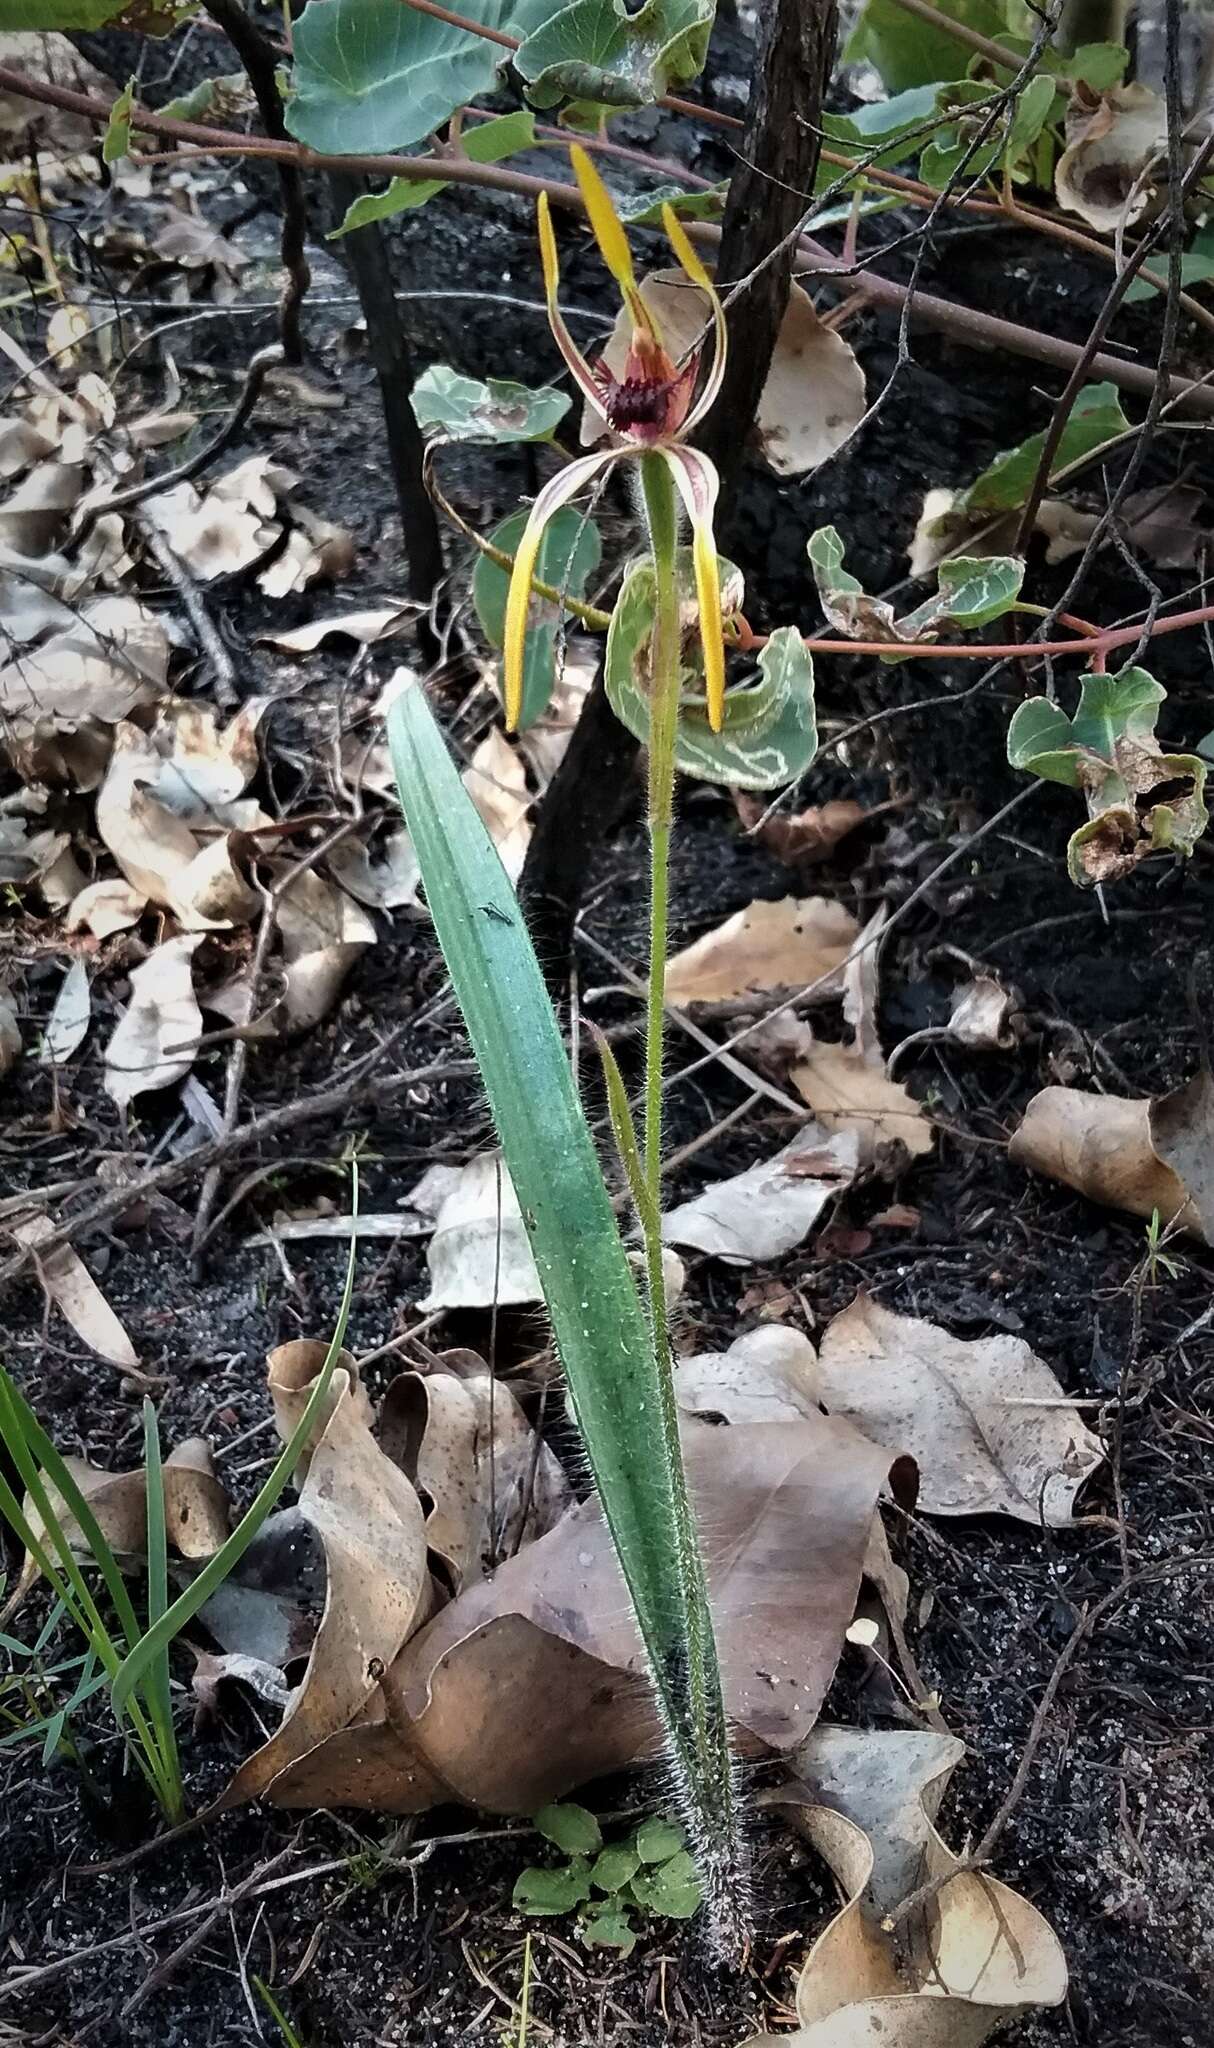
608, 1926
658, 1839
614, 1866
545, 1893
572, 1828
373, 75
671, 1888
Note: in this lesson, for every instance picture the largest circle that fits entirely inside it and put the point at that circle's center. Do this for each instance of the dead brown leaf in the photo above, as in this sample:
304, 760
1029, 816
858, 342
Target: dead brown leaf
763, 1212
805, 836
1126, 1155
154, 1042
496, 780
846, 1093
1114, 142
976, 1957
986, 1421
790, 944
323, 933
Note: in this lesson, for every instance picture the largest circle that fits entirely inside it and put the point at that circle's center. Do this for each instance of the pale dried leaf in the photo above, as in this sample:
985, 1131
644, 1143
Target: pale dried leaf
769, 1375
104, 908
801, 837
387, 880
213, 536
323, 933
496, 780
985, 1015
68, 1022
795, 943
1101, 1145
966, 1411
862, 990
1114, 139
157, 1036
203, 767
376, 622
979, 1956
77, 1296
847, 1094
196, 246
35, 513
761, 1213
479, 1252
10, 1034
113, 658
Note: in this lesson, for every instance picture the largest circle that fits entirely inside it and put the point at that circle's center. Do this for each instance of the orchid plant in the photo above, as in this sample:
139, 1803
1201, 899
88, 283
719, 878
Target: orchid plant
649, 412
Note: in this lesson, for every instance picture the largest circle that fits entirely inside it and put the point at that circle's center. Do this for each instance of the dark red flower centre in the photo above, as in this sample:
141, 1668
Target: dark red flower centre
637, 401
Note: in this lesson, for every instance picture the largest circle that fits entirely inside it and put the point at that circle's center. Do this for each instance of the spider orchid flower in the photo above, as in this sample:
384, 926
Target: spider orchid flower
650, 409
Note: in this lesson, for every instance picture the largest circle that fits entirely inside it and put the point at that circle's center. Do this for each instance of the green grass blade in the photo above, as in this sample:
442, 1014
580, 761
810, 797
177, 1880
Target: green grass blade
621, 1394
37, 1460
217, 1568
156, 1688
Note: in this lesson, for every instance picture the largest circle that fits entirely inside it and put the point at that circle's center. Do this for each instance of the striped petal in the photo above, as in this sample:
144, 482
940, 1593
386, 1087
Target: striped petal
575, 362
697, 484
564, 485
612, 241
680, 242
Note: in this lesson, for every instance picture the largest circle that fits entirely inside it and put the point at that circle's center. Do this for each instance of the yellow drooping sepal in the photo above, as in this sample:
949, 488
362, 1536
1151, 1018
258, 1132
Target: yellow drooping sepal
613, 242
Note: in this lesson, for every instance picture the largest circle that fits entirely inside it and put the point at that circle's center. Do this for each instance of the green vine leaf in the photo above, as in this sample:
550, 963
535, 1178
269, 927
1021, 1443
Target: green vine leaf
495, 409
1140, 800
770, 733
970, 593
614, 1867
373, 75
570, 553
1096, 417
489, 143
907, 52
596, 52
608, 1926
116, 142
657, 1840
671, 1889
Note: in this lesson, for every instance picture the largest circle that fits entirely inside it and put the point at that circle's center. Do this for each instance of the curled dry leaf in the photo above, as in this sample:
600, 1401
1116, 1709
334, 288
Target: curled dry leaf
986, 1421
530, 1682
195, 1509
27, 853
104, 908
75, 1293
986, 1017
376, 622
805, 836
203, 883
769, 1375
10, 1033
1164, 525
369, 1520
975, 1957
1114, 140
759, 1214
1144, 1156
444, 1429
384, 880
323, 933
203, 767
113, 658
496, 780
847, 1093
479, 1252
799, 942
813, 399
157, 1036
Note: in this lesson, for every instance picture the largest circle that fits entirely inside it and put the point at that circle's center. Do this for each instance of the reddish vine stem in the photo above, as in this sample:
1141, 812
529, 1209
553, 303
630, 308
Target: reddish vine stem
978, 329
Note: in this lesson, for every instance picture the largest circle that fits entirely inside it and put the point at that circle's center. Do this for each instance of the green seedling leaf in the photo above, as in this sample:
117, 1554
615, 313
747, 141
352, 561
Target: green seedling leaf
1033, 108
907, 52
657, 1840
1096, 418
496, 409
671, 1888
548, 1892
886, 120
570, 553
488, 143
209, 96
614, 1866
116, 142
608, 1926
372, 75
598, 52
572, 1828
58, 14
955, 151
770, 732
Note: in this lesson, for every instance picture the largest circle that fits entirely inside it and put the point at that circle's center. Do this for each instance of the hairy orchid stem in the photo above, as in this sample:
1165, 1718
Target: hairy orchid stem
706, 1779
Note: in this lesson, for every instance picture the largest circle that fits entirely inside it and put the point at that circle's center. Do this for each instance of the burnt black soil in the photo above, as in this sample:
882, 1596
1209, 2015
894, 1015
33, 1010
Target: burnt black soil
1113, 1835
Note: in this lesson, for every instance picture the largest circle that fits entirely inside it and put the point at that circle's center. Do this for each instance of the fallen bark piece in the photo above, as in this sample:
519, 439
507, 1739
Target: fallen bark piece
794, 943
1144, 1156
985, 1420
972, 1957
